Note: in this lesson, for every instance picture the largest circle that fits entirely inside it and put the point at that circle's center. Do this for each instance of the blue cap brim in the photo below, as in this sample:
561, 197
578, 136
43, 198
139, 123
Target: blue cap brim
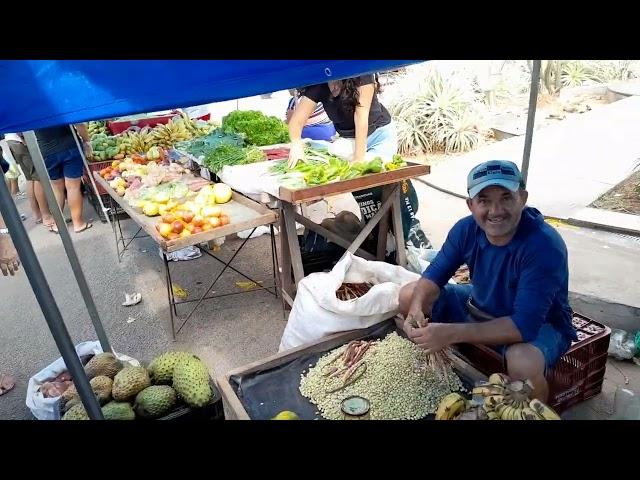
510, 185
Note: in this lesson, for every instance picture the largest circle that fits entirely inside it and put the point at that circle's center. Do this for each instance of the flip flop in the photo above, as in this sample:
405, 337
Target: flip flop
38, 221
7, 382
87, 226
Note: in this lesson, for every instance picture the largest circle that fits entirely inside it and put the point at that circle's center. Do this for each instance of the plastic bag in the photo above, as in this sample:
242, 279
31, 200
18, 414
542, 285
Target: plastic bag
622, 345
317, 312
187, 253
49, 408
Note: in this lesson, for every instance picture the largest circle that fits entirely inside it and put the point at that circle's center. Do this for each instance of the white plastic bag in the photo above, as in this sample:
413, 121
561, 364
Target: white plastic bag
317, 312
187, 253
49, 408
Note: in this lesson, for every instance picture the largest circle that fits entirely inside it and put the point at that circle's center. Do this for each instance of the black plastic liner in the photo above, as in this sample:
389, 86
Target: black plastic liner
266, 393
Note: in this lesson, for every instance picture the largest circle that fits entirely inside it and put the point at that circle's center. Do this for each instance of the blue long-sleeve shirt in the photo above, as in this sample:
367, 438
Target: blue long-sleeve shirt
527, 279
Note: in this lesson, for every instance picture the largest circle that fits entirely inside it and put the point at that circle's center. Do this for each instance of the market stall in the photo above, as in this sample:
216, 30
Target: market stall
86, 104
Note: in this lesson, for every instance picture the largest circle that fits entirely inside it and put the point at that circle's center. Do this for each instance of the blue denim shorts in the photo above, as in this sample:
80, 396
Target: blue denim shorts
383, 142
67, 164
322, 131
451, 307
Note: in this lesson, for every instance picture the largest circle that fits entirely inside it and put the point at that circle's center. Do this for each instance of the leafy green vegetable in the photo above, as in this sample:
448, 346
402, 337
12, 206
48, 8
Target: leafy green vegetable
319, 167
229, 155
257, 128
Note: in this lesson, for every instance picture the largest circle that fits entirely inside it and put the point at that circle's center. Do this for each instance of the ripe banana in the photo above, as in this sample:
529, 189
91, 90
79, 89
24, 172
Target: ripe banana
528, 413
543, 410
451, 406
493, 401
498, 379
488, 390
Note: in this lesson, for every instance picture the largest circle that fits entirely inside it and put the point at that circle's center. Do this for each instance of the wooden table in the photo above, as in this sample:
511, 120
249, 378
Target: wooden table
234, 410
391, 183
245, 214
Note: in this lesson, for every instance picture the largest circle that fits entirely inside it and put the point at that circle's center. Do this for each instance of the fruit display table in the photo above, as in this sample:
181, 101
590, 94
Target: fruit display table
391, 182
245, 214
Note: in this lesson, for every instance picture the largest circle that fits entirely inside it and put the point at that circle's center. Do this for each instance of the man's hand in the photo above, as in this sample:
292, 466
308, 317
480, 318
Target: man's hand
9, 261
296, 152
431, 338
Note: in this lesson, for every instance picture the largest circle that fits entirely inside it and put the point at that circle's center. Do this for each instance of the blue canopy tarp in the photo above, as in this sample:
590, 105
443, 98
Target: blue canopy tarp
42, 93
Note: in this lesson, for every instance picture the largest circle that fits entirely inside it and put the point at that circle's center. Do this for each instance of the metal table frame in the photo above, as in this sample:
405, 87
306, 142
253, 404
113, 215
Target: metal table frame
292, 257
173, 303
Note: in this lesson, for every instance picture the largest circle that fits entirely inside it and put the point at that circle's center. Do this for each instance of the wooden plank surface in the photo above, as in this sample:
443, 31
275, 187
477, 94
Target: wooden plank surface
243, 212
303, 195
237, 410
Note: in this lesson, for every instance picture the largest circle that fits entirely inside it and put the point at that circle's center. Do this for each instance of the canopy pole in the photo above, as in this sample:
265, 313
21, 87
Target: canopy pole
531, 116
43, 175
47, 303
93, 181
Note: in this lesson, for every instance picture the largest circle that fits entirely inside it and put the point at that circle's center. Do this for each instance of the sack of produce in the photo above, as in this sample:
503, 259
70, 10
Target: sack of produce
356, 294
45, 388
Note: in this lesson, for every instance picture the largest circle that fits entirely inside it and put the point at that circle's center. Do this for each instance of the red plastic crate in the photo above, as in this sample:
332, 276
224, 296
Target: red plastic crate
576, 377
96, 167
117, 127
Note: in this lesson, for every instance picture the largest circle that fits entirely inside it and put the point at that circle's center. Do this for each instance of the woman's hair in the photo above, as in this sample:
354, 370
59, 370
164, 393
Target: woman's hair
349, 94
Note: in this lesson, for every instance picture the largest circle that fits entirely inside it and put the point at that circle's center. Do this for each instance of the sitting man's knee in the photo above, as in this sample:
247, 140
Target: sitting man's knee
524, 361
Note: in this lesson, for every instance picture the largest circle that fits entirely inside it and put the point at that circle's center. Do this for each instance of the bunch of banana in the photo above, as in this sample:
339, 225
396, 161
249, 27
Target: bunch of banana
498, 399
94, 128
168, 135
125, 143
195, 128
141, 141
451, 406
511, 400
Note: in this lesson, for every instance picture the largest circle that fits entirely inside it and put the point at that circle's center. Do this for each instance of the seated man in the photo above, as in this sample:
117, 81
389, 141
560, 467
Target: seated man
518, 300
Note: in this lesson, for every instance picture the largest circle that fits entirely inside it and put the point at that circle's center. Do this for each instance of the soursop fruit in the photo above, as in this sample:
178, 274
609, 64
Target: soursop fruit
103, 364
191, 381
129, 382
77, 412
161, 368
118, 411
155, 401
101, 386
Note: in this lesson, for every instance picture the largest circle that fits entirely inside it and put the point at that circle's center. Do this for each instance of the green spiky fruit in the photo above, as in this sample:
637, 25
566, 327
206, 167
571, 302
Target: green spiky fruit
103, 364
101, 386
77, 412
129, 382
161, 368
118, 411
155, 401
191, 381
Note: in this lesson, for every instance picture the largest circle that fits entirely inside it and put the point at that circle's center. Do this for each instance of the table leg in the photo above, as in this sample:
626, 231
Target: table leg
383, 226
398, 232
289, 214
169, 294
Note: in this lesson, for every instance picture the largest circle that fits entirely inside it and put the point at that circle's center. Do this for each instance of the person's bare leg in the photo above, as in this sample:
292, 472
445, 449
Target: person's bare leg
74, 195
13, 187
43, 206
58, 191
526, 362
33, 202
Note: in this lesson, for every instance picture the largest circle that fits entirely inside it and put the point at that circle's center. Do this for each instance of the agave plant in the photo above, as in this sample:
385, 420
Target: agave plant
575, 73
432, 112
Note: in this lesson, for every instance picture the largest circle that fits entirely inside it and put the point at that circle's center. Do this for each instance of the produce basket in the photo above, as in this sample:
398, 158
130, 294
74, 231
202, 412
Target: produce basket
96, 167
576, 377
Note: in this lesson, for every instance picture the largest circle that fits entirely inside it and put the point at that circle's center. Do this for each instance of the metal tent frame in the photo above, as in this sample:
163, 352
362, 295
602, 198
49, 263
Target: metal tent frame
41, 288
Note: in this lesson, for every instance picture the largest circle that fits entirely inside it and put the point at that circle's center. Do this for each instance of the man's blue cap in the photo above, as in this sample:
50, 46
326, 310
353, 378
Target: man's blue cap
494, 172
